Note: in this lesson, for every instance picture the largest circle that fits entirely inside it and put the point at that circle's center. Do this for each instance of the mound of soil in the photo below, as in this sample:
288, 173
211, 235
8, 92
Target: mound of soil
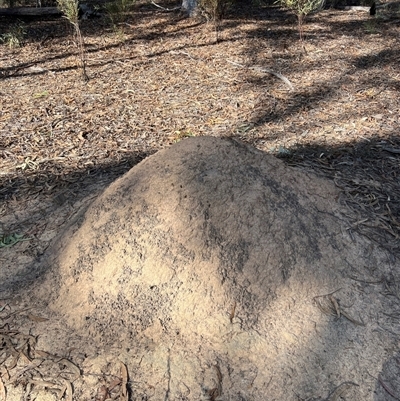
220, 273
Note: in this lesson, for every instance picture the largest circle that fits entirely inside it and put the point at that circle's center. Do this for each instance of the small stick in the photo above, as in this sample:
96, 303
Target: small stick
387, 388
339, 391
164, 8
232, 314
268, 71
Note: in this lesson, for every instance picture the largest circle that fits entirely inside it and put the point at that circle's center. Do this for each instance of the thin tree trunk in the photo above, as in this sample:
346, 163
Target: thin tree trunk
81, 49
189, 6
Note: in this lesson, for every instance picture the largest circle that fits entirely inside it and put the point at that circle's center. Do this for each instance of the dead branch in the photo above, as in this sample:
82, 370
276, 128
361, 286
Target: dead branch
164, 8
267, 71
31, 11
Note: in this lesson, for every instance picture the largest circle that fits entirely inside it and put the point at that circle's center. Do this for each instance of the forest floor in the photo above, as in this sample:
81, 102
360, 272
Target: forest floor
330, 104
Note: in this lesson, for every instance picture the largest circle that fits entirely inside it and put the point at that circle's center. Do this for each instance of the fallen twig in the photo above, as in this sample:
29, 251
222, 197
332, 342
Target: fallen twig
387, 388
266, 70
339, 391
164, 8
124, 396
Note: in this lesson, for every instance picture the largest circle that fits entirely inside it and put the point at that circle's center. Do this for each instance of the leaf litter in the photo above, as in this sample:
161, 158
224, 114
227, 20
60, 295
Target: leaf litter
23, 364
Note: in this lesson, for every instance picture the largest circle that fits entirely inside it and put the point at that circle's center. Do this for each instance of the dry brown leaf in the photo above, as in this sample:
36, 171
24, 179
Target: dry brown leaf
232, 313
332, 308
340, 391
335, 305
114, 384
14, 362
27, 392
74, 369
323, 307
4, 372
62, 391
42, 354
38, 319
124, 383
3, 393
33, 365
349, 318
68, 395
102, 393
24, 357
44, 383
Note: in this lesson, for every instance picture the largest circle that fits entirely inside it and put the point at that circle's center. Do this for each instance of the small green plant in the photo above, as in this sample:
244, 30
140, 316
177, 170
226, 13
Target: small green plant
7, 241
302, 8
117, 11
370, 27
39, 95
28, 164
15, 37
70, 9
179, 135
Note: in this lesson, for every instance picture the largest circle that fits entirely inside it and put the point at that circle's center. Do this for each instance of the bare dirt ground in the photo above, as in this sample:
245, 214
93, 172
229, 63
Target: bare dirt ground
162, 78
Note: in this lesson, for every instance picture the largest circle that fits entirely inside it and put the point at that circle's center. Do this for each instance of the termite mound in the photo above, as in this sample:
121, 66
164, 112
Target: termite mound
210, 253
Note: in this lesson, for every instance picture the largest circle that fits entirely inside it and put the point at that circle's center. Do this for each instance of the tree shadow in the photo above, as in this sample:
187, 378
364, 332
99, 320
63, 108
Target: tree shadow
52, 33
366, 172
388, 382
324, 89
45, 195
45, 29
278, 26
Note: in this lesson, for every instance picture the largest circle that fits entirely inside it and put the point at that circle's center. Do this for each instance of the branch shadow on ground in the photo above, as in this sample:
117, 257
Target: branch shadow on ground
325, 89
30, 199
279, 30
366, 173
42, 31
46, 39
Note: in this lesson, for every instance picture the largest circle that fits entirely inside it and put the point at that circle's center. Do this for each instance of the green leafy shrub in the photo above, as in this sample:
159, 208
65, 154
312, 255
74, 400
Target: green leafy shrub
15, 36
302, 8
214, 9
118, 9
70, 9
